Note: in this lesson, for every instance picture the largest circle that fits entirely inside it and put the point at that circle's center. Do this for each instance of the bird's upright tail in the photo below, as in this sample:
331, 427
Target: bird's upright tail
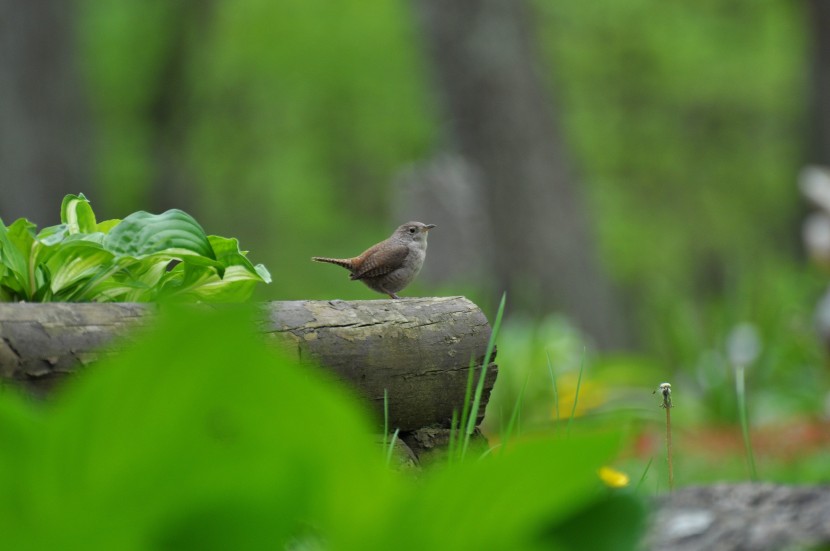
345, 262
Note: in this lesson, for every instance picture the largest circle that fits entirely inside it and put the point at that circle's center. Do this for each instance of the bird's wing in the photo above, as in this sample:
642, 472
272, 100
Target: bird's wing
381, 261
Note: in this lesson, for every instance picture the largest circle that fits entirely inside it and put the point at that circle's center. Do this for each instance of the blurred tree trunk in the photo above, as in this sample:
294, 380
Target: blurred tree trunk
500, 117
819, 20
170, 112
44, 136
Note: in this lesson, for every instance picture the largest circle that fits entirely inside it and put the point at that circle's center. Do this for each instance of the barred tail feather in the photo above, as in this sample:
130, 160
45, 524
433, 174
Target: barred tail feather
345, 262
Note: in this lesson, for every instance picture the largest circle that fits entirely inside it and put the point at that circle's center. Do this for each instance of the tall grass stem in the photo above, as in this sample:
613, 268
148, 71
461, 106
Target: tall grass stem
740, 391
645, 472
514, 417
576, 394
391, 448
555, 390
491, 343
385, 417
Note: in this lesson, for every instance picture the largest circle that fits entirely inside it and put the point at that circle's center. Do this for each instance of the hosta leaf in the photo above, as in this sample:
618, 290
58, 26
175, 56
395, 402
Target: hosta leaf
141, 234
121, 260
228, 253
16, 243
77, 214
263, 272
237, 285
76, 261
105, 285
106, 225
55, 240
227, 250
53, 234
142, 277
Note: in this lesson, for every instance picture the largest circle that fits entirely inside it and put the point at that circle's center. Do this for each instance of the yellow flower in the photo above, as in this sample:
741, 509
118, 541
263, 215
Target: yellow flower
591, 396
613, 478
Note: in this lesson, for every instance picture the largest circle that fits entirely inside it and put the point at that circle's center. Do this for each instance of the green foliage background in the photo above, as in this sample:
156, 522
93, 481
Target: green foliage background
293, 117
685, 123
684, 120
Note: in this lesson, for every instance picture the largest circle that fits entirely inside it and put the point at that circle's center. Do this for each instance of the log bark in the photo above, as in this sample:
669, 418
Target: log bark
40, 344
418, 350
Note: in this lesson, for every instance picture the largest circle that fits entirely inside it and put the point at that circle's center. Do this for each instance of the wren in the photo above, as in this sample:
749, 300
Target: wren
392, 264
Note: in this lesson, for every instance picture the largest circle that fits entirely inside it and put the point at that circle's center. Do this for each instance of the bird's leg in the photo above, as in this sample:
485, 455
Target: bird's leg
393, 295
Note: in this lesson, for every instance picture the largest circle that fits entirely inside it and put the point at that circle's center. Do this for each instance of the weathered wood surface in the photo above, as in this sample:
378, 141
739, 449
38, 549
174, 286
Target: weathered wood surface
40, 344
741, 517
418, 349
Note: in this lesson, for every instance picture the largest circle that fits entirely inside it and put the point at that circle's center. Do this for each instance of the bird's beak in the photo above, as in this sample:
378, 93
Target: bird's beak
428, 227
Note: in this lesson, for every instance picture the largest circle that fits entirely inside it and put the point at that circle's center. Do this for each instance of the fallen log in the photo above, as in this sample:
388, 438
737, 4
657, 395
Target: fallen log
417, 350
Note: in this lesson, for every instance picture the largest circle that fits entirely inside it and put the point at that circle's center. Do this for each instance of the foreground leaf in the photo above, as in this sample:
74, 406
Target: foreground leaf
510, 501
197, 438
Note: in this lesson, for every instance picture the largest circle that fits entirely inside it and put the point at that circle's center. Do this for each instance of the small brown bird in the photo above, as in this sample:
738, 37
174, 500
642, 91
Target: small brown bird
392, 264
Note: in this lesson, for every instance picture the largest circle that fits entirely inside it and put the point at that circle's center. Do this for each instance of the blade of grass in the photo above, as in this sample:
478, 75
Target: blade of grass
455, 429
488, 451
391, 447
740, 390
576, 394
514, 417
555, 390
491, 343
465, 409
645, 472
385, 417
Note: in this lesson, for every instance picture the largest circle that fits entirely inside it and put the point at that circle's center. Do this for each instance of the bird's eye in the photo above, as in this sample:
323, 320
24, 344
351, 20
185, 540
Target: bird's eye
411, 230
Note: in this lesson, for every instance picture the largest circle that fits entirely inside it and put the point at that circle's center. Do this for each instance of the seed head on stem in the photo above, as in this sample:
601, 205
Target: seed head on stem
666, 403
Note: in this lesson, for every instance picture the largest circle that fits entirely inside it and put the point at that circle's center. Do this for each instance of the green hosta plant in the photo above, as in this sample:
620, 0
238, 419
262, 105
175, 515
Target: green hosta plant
144, 257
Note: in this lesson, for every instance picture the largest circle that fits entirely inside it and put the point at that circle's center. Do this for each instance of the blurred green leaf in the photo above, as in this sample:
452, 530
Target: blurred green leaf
20, 426
199, 436
615, 523
196, 424
507, 501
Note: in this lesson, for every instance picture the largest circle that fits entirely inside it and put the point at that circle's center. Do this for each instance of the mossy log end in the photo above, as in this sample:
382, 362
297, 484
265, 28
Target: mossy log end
418, 349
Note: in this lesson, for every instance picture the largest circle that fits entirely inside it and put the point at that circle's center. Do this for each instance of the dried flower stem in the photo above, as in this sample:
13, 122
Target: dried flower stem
668, 447
665, 391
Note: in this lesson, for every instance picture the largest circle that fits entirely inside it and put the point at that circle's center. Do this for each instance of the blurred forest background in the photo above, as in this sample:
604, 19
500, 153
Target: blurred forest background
625, 170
